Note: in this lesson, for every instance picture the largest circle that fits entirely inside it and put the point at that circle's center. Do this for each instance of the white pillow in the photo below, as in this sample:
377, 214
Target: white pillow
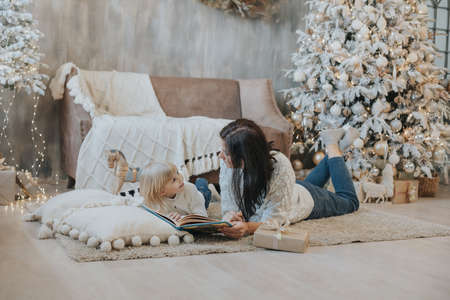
57, 206
122, 93
117, 226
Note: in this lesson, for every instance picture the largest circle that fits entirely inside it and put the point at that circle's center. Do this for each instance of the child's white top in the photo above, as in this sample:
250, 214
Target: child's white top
188, 201
286, 201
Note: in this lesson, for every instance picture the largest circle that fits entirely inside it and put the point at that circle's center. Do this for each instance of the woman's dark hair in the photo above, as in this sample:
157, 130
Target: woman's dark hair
248, 148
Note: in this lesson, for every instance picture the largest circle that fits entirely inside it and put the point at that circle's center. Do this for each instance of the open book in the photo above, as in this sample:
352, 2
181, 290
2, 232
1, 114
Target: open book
196, 223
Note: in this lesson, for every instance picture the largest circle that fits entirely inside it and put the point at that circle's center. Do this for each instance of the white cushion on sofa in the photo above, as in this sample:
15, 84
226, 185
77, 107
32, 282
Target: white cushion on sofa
121, 93
109, 223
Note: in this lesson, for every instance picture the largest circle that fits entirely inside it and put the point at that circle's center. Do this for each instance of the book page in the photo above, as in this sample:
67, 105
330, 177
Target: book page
194, 219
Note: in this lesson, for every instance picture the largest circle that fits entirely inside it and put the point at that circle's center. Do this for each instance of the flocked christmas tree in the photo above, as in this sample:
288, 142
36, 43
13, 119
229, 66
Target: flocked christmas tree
19, 52
369, 64
19, 69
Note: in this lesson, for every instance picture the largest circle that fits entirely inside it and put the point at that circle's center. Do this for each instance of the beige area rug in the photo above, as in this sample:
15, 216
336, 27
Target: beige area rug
366, 225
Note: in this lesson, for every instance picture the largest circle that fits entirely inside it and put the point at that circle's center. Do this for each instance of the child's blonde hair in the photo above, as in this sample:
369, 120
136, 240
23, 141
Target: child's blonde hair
152, 180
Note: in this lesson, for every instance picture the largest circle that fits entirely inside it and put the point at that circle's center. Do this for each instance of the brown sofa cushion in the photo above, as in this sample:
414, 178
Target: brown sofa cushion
187, 97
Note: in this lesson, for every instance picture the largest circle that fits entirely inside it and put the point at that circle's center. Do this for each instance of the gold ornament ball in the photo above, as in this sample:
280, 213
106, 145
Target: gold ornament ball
394, 171
297, 164
318, 156
407, 133
346, 112
320, 106
387, 107
381, 148
370, 151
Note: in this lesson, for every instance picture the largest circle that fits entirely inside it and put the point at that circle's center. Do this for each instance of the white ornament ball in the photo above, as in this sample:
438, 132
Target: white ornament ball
136, 241
155, 241
357, 173
83, 237
422, 8
106, 246
335, 110
45, 232
336, 45
357, 108
419, 138
299, 76
396, 125
296, 118
173, 240
357, 24
381, 62
428, 93
374, 172
394, 159
92, 242
118, 244
312, 83
308, 123
381, 23
408, 166
74, 234
327, 88
358, 143
188, 238
439, 154
412, 57
65, 229
434, 107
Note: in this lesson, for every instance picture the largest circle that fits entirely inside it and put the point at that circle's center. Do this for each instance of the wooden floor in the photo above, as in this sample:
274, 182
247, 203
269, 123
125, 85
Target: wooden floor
409, 269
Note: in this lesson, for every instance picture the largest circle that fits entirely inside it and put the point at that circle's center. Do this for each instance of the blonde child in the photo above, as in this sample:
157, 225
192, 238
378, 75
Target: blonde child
165, 191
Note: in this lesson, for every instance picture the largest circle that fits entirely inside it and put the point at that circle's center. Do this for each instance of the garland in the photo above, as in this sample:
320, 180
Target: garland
268, 10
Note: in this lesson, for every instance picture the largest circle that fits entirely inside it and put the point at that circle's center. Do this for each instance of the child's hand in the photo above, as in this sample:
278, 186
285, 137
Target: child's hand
174, 216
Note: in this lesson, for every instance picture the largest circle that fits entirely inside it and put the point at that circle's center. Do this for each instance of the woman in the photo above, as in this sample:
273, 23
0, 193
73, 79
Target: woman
258, 184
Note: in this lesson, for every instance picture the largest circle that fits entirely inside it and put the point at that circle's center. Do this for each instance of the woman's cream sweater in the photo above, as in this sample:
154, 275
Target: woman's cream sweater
286, 201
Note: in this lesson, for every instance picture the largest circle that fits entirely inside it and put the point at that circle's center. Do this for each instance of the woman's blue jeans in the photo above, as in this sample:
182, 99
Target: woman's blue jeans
202, 187
327, 204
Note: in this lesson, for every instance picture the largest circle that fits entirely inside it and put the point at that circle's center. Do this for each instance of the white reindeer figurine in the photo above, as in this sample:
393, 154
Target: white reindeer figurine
380, 191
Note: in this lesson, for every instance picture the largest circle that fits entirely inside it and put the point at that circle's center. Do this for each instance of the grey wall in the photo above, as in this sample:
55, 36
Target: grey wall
160, 37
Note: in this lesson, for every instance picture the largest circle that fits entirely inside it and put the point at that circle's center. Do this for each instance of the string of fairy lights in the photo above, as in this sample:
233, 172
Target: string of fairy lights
21, 62
6, 108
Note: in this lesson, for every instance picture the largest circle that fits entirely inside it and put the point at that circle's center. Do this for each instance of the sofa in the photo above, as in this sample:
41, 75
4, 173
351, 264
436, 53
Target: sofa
184, 97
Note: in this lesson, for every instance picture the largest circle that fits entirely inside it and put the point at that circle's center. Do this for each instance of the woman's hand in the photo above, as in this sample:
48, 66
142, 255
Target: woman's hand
233, 216
174, 216
238, 230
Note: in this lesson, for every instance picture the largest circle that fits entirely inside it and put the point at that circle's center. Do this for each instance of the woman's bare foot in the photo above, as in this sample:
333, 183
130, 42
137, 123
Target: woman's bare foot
333, 150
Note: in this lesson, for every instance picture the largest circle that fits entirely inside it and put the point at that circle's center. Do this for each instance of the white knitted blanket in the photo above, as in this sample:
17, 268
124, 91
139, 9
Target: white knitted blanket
126, 115
192, 144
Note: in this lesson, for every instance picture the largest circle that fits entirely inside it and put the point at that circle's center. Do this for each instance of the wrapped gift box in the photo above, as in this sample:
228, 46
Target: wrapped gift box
405, 191
7, 185
292, 240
